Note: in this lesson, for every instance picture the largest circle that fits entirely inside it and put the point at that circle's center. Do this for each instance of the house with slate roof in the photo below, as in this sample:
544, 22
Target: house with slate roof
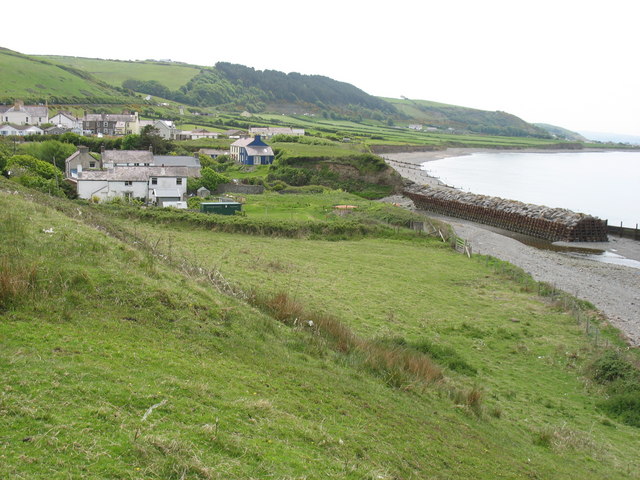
21, 114
80, 160
66, 120
111, 124
252, 151
152, 184
20, 130
268, 132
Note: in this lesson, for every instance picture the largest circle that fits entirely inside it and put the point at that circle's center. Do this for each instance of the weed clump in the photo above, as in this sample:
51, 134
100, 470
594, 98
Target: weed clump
622, 381
398, 365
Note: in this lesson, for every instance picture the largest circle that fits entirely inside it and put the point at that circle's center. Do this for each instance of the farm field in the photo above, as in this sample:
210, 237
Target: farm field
114, 72
23, 77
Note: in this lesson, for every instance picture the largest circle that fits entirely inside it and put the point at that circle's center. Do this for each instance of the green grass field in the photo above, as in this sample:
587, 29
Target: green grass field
121, 357
25, 78
114, 72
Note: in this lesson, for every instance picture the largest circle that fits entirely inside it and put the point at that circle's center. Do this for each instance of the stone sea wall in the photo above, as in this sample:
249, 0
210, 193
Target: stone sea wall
553, 224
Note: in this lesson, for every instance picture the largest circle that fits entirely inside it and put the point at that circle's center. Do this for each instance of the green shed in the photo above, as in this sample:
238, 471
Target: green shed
221, 208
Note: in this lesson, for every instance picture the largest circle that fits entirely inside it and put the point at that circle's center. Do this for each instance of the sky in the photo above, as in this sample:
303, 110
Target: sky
571, 63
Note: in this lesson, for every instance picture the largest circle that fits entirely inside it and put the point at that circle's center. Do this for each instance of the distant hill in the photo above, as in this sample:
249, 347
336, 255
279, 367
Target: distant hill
612, 137
36, 80
561, 133
443, 116
234, 88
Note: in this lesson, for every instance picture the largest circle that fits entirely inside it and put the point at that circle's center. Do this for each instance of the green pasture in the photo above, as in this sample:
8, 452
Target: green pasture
22, 77
114, 72
121, 358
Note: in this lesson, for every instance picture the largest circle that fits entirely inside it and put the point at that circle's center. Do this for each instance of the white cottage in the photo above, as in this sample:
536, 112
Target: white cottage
21, 114
66, 120
20, 130
150, 184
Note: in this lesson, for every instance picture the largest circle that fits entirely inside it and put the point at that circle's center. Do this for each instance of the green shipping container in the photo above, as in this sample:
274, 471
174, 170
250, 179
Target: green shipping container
221, 208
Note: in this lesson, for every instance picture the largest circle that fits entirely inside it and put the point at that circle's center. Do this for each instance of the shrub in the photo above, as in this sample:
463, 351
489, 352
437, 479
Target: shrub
447, 356
624, 406
611, 366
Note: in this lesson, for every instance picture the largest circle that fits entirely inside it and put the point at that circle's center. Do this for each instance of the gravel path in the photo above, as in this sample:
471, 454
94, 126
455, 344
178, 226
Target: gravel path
614, 289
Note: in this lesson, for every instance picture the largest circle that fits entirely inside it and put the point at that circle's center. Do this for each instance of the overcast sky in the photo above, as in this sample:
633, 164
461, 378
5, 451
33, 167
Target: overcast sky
572, 63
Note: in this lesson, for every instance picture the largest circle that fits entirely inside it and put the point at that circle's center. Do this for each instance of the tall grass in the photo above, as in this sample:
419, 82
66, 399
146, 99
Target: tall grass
399, 366
17, 279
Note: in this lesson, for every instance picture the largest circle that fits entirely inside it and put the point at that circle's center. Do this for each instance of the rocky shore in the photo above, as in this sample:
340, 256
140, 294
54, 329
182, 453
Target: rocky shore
613, 288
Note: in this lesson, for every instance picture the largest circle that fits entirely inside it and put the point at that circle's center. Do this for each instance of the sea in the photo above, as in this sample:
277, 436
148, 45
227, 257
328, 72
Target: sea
602, 184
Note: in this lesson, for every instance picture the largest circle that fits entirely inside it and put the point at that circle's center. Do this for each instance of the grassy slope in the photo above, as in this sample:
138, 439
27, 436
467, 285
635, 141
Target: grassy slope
23, 77
107, 331
114, 72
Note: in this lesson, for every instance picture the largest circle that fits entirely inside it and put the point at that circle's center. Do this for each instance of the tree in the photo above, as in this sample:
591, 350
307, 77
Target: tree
131, 142
34, 173
5, 153
150, 137
211, 179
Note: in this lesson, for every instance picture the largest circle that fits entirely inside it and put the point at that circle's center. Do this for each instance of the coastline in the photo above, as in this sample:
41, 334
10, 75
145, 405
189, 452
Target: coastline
613, 289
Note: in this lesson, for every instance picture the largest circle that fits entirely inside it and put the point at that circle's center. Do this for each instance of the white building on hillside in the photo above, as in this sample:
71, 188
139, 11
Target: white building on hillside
151, 184
20, 130
66, 120
21, 114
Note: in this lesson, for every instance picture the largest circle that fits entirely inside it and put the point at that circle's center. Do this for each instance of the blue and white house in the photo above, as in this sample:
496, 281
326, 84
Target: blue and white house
252, 151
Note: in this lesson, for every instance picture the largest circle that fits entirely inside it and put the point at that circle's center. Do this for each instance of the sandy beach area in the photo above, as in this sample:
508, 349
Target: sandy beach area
613, 288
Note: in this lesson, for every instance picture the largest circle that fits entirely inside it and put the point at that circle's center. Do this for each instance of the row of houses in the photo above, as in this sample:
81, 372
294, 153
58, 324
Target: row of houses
131, 174
139, 174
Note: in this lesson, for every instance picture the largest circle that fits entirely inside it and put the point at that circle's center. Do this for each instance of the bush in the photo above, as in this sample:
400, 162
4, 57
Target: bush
611, 366
625, 407
194, 203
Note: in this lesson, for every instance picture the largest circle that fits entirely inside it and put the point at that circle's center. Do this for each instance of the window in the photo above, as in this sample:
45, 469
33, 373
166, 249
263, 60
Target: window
154, 181
128, 183
179, 181
92, 164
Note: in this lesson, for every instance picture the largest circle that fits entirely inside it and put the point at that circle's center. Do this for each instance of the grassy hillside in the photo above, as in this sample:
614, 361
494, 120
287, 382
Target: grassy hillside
37, 81
444, 116
115, 72
136, 349
233, 88
562, 133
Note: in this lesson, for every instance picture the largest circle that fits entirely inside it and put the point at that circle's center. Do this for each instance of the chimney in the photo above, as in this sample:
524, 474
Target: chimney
151, 148
196, 155
102, 149
83, 150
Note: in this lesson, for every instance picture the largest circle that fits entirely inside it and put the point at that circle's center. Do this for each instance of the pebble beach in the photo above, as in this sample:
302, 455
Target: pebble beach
614, 289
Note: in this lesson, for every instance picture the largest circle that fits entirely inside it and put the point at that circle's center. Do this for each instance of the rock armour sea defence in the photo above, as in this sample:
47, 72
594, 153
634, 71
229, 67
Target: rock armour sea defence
553, 224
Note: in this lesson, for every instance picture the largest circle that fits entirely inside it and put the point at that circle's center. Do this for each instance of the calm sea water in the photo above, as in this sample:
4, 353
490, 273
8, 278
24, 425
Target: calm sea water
603, 184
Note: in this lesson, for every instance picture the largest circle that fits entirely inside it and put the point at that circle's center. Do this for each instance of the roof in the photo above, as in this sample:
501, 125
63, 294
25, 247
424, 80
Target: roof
64, 114
127, 156
212, 151
252, 151
249, 141
176, 160
109, 117
166, 192
33, 110
21, 127
132, 174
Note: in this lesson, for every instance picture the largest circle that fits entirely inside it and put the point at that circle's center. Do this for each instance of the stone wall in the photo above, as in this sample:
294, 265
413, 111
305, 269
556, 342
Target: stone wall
240, 188
553, 224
